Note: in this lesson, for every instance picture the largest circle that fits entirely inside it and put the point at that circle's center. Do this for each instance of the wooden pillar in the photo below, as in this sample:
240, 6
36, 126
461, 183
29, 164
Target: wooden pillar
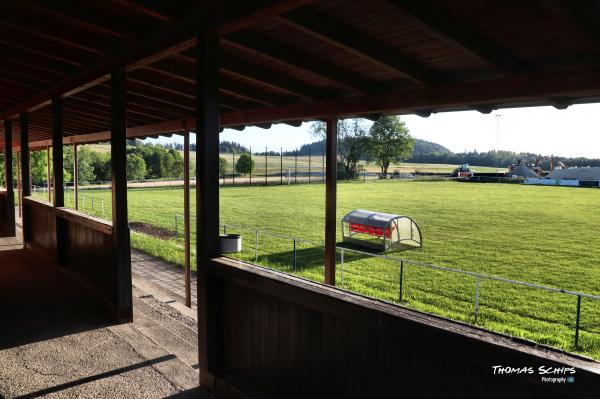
330, 200
207, 202
57, 166
75, 177
19, 199
57, 152
120, 234
25, 175
186, 218
48, 174
25, 164
8, 178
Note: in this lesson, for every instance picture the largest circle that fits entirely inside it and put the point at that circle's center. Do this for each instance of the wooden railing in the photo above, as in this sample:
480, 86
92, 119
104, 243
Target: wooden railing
274, 335
83, 246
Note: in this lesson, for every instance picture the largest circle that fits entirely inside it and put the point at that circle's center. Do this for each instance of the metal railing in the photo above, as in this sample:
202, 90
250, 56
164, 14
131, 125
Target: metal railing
402, 263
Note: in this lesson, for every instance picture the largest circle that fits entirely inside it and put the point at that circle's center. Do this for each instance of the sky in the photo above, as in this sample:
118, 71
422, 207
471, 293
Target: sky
543, 130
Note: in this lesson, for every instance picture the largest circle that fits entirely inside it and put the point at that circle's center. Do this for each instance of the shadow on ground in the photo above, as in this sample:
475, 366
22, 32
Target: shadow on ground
39, 302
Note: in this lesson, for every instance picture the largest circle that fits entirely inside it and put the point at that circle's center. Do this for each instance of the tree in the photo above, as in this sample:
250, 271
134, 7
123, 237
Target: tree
136, 167
352, 140
39, 168
389, 142
245, 164
222, 166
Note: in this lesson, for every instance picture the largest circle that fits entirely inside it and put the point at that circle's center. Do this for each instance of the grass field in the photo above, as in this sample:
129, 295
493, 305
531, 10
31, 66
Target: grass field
542, 235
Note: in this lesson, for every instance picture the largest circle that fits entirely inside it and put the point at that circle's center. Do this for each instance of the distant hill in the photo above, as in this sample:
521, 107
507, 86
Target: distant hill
428, 147
421, 147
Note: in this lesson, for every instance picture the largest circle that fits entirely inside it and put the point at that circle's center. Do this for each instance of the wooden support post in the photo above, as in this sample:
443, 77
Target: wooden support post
31, 189
48, 174
120, 234
75, 177
25, 175
19, 199
207, 203
8, 178
57, 152
330, 201
186, 218
57, 164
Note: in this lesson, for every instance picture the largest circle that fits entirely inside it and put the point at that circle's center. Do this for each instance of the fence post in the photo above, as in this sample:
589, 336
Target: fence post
342, 266
577, 321
225, 229
232, 168
296, 166
256, 249
281, 166
476, 298
309, 162
250, 165
266, 165
323, 165
176, 227
401, 280
294, 263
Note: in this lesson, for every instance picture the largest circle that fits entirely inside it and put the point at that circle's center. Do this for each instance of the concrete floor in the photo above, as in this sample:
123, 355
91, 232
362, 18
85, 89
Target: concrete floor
56, 342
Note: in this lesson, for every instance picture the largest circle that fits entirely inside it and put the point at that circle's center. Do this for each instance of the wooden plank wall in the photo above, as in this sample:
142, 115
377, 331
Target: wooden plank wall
43, 225
89, 252
88, 246
280, 340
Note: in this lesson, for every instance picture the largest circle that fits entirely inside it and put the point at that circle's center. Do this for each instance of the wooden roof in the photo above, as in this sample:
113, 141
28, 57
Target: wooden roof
292, 60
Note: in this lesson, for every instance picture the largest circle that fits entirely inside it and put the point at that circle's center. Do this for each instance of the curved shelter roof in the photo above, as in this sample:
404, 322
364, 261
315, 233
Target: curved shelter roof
291, 60
371, 218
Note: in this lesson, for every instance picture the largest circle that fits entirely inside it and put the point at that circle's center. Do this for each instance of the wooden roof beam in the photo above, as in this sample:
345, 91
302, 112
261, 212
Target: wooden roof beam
186, 75
582, 16
175, 38
355, 42
143, 7
574, 83
430, 17
279, 52
263, 77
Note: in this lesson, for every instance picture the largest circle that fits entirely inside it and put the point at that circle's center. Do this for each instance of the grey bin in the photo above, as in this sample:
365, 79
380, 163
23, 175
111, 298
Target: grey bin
231, 243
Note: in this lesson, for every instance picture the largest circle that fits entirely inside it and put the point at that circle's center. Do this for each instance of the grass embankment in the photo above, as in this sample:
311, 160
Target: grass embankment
542, 235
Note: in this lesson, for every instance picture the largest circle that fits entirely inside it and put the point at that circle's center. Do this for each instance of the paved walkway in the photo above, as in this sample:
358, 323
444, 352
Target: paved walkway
164, 274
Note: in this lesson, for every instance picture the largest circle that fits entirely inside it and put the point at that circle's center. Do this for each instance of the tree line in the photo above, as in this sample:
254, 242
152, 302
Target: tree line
145, 161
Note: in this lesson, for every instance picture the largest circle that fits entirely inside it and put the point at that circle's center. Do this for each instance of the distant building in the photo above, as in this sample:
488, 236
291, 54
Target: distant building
589, 174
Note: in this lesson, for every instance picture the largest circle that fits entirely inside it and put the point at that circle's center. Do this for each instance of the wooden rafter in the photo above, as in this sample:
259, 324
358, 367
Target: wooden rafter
583, 16
465, 39
279, 52
175, 38
355, 42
